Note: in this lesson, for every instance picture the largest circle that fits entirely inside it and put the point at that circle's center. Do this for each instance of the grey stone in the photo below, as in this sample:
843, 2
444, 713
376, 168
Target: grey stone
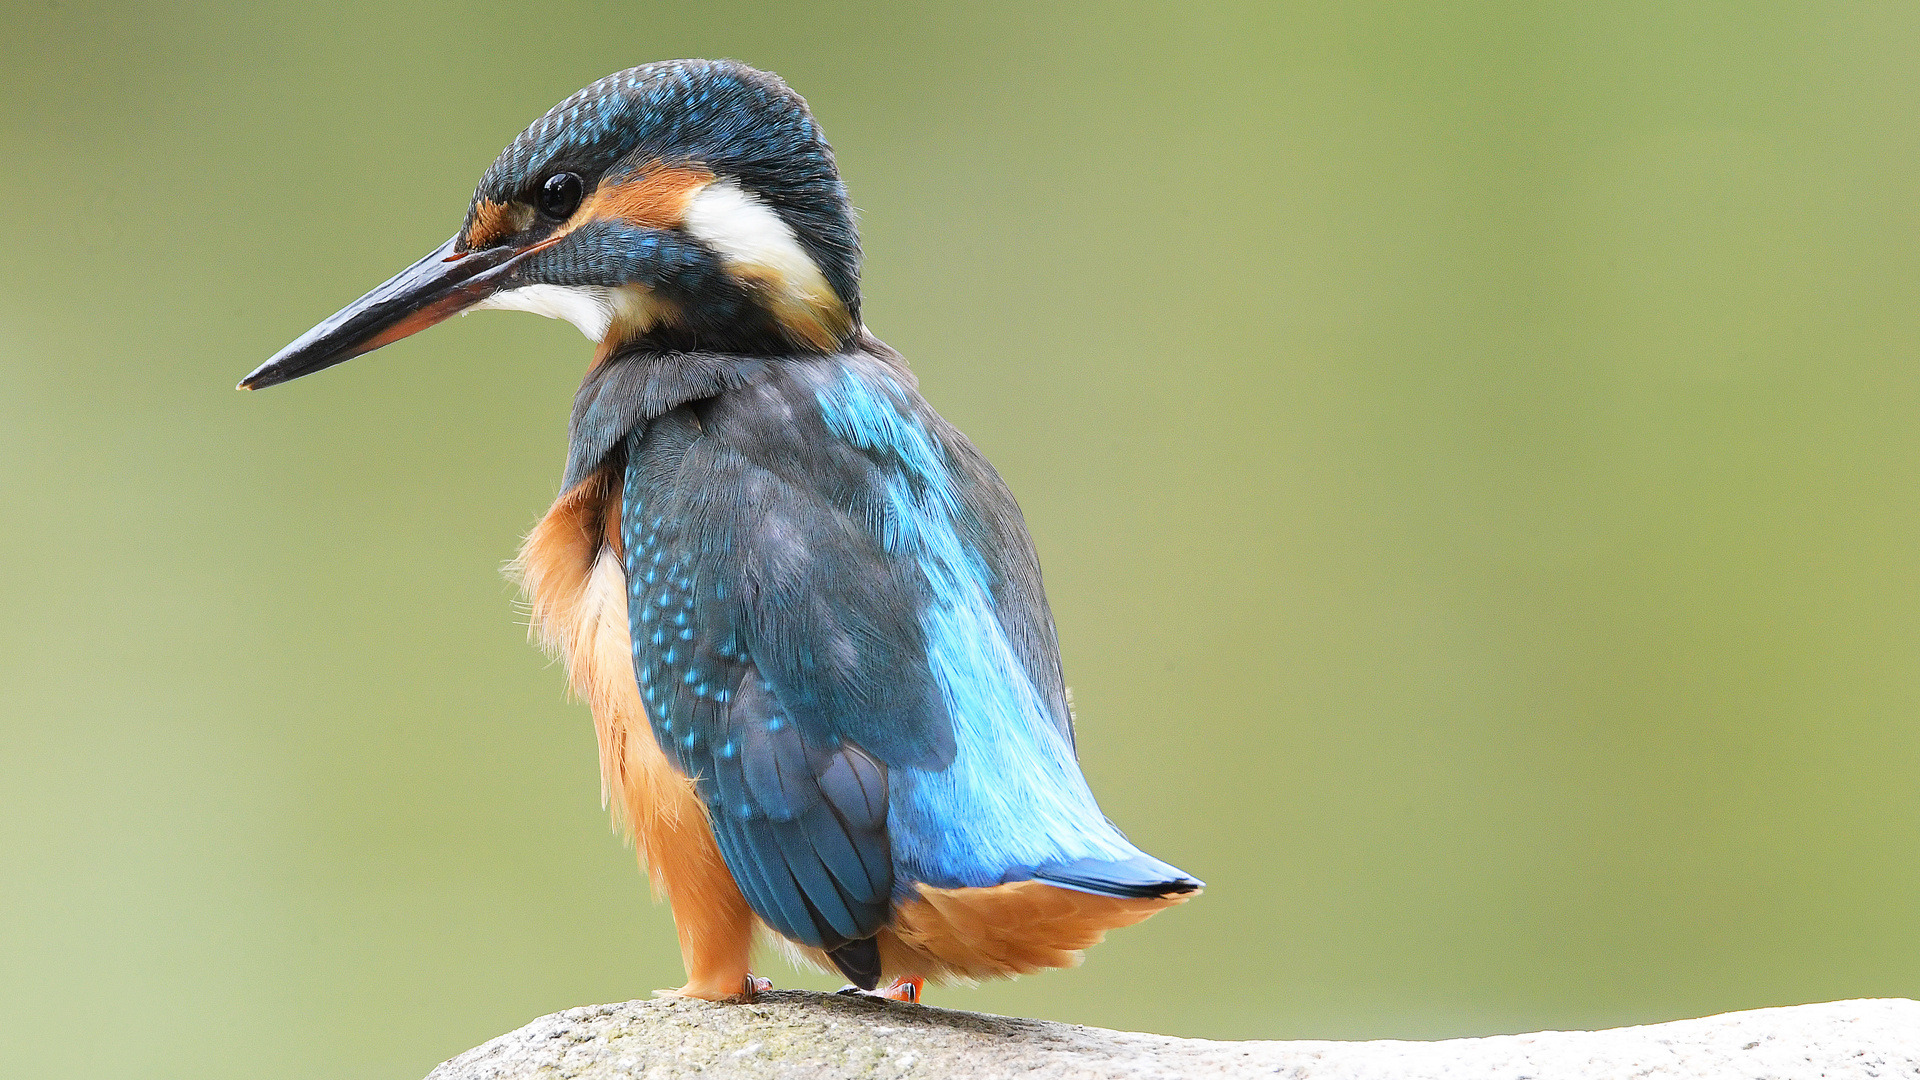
802, 1035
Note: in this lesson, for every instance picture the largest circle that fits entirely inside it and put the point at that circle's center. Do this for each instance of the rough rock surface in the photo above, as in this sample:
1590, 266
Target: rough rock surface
798, 1034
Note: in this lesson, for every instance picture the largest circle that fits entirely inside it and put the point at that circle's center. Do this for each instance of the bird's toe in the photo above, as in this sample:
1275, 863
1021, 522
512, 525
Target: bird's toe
747, 990
906, 988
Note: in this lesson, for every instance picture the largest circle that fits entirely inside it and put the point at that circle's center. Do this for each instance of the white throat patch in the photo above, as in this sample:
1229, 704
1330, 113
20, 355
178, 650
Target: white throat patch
591, 308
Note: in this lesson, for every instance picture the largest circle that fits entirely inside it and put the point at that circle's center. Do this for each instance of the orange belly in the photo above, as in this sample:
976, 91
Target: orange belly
571, 571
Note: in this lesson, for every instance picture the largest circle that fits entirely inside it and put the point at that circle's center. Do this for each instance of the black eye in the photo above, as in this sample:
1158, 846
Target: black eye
560, 195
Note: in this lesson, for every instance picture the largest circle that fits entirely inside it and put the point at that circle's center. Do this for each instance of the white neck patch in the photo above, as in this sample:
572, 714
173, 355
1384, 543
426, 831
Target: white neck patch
746, 232
757, 245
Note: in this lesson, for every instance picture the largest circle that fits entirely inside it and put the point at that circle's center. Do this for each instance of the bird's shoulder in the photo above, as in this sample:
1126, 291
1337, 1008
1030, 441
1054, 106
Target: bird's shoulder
770, 521
853, 436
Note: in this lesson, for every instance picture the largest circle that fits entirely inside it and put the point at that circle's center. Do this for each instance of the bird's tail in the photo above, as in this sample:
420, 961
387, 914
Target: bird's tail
1137, 877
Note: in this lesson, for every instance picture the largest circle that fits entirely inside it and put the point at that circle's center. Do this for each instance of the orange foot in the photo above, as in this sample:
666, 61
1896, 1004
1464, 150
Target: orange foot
749, 991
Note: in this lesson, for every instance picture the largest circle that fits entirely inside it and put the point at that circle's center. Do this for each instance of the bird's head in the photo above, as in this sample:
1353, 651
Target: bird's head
678, 205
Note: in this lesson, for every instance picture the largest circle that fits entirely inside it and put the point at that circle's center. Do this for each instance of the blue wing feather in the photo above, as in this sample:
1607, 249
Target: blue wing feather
1011, 804
816, 874
840, 633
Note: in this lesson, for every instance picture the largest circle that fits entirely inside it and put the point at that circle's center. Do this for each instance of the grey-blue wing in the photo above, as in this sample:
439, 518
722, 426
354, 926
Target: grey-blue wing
840, 634
778, 672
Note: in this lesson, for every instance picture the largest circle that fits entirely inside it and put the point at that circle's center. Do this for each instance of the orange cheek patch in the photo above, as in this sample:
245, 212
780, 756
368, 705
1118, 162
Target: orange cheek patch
656, 200
493, 222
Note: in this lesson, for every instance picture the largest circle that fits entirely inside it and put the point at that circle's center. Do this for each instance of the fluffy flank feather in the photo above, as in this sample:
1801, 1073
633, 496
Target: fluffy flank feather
570, 570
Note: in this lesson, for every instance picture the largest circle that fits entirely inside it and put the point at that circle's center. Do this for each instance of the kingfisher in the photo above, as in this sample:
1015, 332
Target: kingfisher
804, 610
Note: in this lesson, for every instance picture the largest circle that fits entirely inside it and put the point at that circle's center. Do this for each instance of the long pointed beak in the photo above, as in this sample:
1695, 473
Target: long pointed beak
441, 285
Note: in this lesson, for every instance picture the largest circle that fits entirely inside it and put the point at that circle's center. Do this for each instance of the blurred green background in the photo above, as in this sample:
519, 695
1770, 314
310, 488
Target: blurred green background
1474, 450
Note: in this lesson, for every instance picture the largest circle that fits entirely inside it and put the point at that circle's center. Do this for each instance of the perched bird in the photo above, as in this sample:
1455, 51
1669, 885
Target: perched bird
805, 611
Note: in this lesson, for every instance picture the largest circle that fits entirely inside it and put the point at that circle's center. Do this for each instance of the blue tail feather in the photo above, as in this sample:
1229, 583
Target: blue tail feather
1141, 876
